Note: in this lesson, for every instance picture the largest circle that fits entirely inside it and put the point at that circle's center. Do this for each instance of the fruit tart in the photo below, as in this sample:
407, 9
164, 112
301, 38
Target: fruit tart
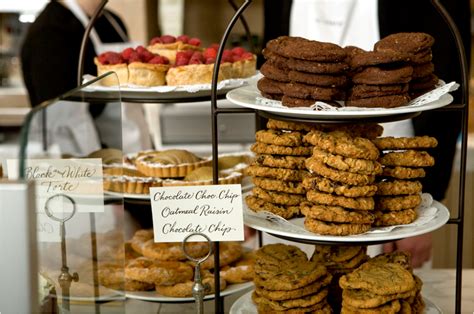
172, 163
203, 176
194, 67
168, 45
133, 66
127, 179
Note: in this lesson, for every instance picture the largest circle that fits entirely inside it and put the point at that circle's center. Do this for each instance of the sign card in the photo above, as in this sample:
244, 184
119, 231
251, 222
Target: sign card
81, 180
215, 210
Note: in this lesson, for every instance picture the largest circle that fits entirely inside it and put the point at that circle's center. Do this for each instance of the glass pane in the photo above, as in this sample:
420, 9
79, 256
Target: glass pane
71, 146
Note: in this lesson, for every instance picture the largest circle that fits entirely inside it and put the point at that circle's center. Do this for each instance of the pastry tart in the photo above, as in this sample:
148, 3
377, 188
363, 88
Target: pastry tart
203, 176
172, 163
146, 74
197, 74
168, 45
127, 179
121, 69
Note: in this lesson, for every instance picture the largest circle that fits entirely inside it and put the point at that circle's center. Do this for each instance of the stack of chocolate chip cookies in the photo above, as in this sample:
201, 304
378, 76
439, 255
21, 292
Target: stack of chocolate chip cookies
279, 168
398, 191
384, 284
300, 71
379, 78
340, 190
418, 45
339, 260
286, 282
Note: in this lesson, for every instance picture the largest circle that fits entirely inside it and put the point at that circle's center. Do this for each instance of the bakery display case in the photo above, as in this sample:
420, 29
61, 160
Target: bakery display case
86, 187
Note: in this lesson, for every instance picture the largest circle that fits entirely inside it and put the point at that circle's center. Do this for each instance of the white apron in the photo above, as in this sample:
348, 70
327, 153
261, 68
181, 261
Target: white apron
72, 127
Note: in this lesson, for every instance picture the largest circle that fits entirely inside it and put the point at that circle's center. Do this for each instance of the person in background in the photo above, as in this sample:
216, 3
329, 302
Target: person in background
362, 23
50, 58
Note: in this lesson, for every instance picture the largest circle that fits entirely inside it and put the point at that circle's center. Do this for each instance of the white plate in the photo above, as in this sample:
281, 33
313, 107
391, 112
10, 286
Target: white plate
246, 96
152, 296
282, 230
245, 305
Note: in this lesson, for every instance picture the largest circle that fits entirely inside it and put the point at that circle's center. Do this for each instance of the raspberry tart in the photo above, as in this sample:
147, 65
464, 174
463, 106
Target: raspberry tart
133, 66
194, 67
168, 45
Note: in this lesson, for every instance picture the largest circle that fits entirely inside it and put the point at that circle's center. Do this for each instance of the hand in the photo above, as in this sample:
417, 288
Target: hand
419, 247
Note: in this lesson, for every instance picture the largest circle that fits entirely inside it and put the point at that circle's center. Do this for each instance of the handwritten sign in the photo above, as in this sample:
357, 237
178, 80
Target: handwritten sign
215, 210
47, 229
80, 179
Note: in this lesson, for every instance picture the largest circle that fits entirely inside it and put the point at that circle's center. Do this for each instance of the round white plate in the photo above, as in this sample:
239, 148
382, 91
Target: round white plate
282, 230
246, 96
245, 305
152, 296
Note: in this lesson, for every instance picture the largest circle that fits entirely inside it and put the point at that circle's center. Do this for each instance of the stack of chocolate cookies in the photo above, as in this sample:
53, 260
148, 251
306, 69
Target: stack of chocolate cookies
398, 191
286, 282
279, 168
418, 45
384, 284
378, 78
300, 71
340, 191
339, 260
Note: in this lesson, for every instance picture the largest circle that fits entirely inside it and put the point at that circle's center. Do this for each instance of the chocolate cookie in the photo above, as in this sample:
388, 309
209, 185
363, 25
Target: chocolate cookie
424, 83
324, 80
317, 67
288, 101
269, 86
276, 59
272, 96
359, 91
371, 58
421, 57
383, 75
405, 42
270, 70
422, 70
391, 101
302, 48
299, 90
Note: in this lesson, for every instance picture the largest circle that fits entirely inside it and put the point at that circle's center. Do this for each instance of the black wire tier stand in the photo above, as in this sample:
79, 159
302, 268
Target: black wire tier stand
462, 107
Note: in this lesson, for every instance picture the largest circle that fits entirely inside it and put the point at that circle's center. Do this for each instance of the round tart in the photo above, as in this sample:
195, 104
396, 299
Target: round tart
172, 163
203, 176
168, 45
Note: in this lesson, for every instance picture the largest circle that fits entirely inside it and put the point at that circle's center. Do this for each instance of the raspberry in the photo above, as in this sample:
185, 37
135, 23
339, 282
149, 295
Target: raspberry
140, 49
214, 46
247, 56
115, 58
182, 58
194, 41
188, 53
195, 61
134, 57
236, 58
183, 38
146, 56
126, 53
168, 39
155, 40
227, 56
238, 51
210, 53
210, 60
103, 59
158, 60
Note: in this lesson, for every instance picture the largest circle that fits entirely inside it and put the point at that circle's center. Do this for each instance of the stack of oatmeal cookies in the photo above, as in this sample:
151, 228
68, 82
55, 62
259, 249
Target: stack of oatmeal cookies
279, 168
384, 284
286, 282
339, 193
300, 72
398, 191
